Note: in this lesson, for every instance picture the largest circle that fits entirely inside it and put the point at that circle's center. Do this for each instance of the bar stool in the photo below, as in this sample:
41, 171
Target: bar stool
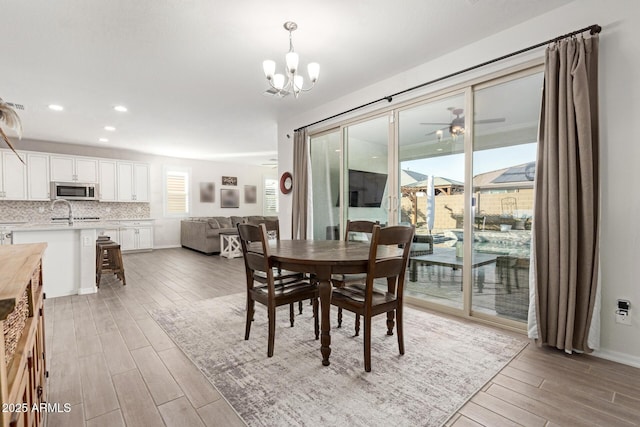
108, 259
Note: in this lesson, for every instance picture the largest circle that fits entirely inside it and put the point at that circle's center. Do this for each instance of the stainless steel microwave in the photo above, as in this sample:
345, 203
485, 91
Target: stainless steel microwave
74, 191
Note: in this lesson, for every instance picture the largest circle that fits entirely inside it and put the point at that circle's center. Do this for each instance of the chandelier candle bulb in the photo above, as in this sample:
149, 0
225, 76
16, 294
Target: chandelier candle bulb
269, 68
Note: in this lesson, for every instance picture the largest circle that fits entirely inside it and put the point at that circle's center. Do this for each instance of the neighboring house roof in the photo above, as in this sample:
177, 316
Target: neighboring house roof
416, 176
438, 181
514, 176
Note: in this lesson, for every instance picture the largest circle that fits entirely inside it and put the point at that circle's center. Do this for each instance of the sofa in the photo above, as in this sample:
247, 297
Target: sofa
202, 234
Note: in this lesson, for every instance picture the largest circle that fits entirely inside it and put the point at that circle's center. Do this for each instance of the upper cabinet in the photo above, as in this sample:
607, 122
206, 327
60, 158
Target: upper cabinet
74, 169
133, 182
38, 176
13, 176
107, 172
118, 181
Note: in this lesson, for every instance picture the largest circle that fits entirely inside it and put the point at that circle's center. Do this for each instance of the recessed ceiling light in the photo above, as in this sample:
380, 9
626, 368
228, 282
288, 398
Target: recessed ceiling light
109, 128
120, 108
56, 107
439, 149
103, 140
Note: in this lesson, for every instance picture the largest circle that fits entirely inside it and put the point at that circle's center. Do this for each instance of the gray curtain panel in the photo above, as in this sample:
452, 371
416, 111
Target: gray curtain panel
300, 185
566, 225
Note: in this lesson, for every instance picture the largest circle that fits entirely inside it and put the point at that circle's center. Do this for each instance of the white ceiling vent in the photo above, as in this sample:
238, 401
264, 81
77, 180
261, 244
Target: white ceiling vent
275, 93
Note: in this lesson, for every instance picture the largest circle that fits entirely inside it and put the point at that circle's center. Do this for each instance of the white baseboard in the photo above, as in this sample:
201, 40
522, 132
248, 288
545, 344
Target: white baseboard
615, 356
87, 291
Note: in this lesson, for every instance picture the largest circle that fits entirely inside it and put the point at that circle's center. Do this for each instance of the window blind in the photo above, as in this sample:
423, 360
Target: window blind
177, 194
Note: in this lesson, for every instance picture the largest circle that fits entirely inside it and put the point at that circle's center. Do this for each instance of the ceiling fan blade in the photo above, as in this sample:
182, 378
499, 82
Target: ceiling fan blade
497, 120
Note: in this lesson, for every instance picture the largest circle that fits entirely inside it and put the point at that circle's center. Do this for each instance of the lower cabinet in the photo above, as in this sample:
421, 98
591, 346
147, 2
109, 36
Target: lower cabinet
132, 236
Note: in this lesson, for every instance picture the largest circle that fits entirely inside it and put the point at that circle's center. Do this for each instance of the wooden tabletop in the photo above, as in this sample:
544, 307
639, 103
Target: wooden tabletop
342, 256
17, 263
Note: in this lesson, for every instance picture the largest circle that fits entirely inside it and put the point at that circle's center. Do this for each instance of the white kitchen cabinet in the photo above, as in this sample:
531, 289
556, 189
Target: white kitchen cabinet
133, 182
107, 171
13, 176
74, 169
136, 236
38, 176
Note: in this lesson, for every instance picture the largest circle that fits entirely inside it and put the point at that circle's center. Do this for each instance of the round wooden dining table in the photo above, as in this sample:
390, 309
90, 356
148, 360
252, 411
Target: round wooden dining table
324, 258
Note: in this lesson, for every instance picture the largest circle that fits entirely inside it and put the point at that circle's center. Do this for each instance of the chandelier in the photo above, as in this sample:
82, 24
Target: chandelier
295, 82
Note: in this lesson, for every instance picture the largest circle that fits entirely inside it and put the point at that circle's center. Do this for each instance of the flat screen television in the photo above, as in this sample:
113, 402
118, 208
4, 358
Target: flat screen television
366, 189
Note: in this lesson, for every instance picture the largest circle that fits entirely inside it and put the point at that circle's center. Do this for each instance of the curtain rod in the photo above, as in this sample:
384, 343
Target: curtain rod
593, 29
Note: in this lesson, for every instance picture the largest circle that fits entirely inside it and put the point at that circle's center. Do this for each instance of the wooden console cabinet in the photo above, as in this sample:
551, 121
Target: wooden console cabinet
22, 351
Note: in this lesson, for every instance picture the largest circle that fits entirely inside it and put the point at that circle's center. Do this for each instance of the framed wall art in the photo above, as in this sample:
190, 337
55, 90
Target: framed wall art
229, 180
207, 192
229, 198
250, 194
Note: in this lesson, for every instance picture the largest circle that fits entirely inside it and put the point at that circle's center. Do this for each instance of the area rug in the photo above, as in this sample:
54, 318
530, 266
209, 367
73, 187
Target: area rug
445, 363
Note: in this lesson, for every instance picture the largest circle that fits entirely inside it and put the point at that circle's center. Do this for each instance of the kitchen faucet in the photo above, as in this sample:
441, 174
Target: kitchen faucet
68, 204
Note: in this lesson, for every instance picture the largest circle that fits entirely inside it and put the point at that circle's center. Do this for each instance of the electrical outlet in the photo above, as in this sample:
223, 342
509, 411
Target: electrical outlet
623, 317
87, 241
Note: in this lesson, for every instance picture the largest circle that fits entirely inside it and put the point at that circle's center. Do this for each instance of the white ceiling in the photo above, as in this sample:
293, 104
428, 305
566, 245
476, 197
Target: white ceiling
190, 70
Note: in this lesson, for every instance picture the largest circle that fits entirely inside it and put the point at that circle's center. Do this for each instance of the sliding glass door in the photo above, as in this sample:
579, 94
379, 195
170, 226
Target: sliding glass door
431, 168
326, 168
366, 175
504, 165
459, 166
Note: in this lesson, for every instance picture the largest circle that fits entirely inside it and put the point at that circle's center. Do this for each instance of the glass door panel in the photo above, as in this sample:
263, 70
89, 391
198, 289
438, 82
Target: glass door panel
431, 181
366, 177
504, 163
326, 164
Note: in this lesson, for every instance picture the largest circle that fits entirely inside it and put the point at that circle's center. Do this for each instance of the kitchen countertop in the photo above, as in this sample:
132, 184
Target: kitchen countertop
62, 225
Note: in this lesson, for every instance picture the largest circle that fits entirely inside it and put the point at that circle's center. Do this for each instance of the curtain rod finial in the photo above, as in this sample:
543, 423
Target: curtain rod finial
595, 29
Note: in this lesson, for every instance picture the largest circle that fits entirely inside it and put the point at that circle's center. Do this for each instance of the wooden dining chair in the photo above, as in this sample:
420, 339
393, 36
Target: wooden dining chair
272, 294
273, 232
367, 301
353, 228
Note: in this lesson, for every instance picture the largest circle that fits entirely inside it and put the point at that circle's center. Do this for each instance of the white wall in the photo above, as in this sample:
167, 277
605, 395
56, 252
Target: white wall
620, 150
167, 230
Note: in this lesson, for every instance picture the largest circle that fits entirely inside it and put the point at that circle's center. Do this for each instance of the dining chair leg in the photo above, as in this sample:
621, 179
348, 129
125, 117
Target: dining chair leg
300, 307
292, 314
272, 330
400, 330
316, 321
367, 343
250, 307
339, 317
357, 325
390, 322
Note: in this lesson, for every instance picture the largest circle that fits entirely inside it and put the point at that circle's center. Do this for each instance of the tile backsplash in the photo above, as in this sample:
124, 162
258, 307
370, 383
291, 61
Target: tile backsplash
37, 212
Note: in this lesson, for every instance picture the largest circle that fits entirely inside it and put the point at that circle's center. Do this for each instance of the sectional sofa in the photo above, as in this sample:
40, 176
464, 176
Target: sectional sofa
202, 234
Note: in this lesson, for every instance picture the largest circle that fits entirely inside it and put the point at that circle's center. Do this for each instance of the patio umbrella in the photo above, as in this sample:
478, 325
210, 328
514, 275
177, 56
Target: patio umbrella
431, 203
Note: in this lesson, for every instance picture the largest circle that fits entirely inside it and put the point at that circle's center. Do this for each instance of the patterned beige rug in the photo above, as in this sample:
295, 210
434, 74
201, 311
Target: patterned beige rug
445, 363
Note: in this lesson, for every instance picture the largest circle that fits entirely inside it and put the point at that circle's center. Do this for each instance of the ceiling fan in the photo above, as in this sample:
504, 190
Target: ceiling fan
456, 126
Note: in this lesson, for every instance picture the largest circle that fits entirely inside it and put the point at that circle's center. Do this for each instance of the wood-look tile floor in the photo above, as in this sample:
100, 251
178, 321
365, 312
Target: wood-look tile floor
115, 366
